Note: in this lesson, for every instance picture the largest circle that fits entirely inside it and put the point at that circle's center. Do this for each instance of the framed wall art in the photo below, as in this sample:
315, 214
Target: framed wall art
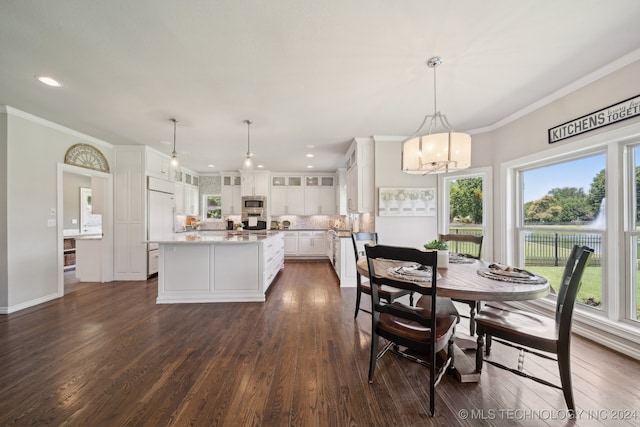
407, 202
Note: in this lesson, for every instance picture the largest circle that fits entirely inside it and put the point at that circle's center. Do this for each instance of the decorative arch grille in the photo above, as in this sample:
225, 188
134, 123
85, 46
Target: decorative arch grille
86, 156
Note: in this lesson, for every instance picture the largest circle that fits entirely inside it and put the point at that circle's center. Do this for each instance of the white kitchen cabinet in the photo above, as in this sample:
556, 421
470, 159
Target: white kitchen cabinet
274, 251
231, 194
255, 183
129, 215
158, 164
90, 259
345, 261
290, 243
319, 195
191, 200
311, 243
360, 174
186, 193
178, 197
287, 195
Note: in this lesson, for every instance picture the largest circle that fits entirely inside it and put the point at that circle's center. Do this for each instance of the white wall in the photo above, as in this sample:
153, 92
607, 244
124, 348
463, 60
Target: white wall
400, 231
528, 135
4, 272
34, 149
71, 202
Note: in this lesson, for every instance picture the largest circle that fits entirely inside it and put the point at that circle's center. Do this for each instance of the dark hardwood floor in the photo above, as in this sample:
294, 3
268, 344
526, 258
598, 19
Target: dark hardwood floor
108, 355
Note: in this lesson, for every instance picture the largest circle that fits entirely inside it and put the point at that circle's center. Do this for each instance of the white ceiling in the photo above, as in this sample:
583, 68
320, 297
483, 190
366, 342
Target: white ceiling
306, 72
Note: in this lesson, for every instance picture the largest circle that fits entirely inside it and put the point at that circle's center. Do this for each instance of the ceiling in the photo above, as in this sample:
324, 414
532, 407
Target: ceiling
311, 75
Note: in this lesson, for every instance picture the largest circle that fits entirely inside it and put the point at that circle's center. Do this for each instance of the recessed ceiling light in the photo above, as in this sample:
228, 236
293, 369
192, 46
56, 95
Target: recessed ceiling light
49, 81
260, 166
211, 166
311, 146
310, 167
309, 155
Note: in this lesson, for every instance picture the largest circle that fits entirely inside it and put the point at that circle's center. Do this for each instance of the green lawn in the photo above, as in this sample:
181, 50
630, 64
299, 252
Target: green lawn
591, 290
591, 282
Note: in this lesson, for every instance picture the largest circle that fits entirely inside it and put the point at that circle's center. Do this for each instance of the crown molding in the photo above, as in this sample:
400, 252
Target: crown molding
55, 126
611, 67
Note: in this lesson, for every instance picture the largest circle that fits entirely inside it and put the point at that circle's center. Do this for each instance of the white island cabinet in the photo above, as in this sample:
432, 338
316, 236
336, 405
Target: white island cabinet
218, 267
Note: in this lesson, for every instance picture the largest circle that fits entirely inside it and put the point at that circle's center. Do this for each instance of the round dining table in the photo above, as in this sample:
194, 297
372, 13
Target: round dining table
462, 281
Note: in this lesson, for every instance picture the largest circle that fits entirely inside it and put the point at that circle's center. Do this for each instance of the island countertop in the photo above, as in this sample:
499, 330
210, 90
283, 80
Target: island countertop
208, 237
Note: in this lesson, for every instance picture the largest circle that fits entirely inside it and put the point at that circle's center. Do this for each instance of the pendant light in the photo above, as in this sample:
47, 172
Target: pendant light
436, 152
174, 154
248, 161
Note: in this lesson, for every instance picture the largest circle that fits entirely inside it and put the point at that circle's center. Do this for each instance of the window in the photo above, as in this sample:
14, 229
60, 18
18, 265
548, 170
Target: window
632, 176
563, 205
466, 207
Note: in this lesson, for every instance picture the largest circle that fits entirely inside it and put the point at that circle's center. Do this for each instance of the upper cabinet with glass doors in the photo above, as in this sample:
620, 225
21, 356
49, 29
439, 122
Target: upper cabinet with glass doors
320, 195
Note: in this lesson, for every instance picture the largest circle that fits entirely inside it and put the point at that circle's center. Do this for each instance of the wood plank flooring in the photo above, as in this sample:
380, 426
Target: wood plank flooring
108, 355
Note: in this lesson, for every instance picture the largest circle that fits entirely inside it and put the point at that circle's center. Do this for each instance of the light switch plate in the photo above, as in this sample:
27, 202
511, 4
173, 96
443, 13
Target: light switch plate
53, 211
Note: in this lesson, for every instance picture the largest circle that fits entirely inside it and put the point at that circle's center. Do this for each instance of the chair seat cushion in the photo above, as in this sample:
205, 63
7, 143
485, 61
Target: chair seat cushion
444, 305
517, 325
415, 331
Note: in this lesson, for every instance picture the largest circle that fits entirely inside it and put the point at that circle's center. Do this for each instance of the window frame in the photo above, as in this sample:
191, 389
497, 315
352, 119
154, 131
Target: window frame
486, 173
603, 326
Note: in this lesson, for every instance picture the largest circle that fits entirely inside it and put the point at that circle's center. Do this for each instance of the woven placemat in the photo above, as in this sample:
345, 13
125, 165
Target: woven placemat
528, 280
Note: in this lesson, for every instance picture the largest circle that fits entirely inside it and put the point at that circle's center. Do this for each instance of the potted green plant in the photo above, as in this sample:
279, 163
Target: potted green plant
442, 248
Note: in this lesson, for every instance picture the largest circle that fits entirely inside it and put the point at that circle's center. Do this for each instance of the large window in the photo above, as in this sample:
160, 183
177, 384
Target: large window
563, 204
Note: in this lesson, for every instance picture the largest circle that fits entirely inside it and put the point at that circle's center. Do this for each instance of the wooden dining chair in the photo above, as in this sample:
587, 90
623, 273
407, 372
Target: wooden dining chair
468, 241
363, 286
423, 334
529, 332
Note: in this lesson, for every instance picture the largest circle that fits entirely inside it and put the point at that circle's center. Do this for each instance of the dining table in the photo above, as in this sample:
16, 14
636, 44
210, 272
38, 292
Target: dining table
473, 280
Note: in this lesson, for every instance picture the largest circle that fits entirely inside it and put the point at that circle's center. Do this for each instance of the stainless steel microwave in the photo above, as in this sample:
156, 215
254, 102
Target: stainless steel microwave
254, 202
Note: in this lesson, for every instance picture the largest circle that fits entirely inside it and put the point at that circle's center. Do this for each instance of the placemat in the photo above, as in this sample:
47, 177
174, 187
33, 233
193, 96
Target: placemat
460, 259
413, 273
524, 280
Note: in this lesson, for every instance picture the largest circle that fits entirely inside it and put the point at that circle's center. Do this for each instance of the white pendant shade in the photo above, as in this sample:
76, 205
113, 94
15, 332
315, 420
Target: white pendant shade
248, 164
436, 153
248, 161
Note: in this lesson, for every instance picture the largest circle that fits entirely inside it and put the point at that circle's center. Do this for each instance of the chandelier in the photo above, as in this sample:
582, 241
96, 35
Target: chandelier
443, 152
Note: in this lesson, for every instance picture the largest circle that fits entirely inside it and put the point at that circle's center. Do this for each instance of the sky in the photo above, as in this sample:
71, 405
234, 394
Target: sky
576, 173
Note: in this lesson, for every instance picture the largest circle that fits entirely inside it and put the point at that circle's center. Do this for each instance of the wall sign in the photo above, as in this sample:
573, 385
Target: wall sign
612, 114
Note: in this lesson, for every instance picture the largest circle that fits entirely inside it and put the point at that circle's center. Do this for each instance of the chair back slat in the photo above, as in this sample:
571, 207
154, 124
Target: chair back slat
360, 239
569, 287
465, 238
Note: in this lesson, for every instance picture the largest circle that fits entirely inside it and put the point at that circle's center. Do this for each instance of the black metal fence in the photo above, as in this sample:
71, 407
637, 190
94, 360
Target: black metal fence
553, 249
543, 249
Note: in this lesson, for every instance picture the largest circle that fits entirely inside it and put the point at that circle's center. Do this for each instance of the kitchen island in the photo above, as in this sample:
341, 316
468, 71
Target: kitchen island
218, 266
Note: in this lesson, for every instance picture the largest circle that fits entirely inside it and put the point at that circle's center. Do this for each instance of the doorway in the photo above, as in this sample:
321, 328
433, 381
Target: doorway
84, 206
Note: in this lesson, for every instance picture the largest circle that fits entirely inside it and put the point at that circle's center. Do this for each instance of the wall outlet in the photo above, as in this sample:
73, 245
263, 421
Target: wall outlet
51, 223
74, 221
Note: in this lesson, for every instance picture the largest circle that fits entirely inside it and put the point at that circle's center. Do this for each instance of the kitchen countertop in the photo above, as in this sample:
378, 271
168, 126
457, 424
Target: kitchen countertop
88, 237
207, 237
